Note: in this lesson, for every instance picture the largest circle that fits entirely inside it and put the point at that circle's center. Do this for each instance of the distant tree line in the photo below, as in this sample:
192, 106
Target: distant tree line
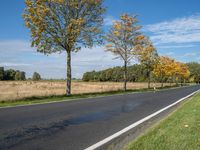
12, 74
16, 75
135, 73
138, 73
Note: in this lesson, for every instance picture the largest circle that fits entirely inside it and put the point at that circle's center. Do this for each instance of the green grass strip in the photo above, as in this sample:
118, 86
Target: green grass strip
180, 131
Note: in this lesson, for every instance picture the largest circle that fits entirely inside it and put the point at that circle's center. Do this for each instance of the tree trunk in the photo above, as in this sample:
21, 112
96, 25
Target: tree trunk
69, 75
162, 84
125, 75
161, 80
149, 79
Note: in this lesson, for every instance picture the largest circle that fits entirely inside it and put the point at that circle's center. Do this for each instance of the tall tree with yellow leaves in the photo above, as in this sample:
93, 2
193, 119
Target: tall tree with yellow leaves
168, 68
122, 38
181, 72
164, 69
147, 56
64, 25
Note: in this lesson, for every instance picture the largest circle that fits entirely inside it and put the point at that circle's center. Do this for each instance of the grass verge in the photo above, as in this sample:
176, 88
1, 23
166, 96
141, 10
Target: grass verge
53, 98
180, 131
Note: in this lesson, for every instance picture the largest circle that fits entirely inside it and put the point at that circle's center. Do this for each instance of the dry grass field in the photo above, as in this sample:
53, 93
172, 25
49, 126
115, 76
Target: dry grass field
12, 90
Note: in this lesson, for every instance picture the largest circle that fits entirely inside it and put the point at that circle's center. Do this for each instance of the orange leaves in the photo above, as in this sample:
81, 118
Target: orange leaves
73, 29
28, 3
169, 68
124, 36
117, 25
163, 68
140, 37
128, 19
182, 70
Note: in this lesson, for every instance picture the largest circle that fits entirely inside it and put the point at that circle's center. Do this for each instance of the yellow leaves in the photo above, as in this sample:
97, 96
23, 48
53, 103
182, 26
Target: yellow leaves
58, 1
29, 3
163, 68
129, 29
109, 47
140, 37
123, 37
124, 17
95, 2
116, 33
73, 29
125, 28
117, 25
168, 67
183, 71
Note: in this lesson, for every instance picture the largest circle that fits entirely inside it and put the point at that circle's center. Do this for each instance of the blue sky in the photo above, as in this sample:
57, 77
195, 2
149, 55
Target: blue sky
173, 26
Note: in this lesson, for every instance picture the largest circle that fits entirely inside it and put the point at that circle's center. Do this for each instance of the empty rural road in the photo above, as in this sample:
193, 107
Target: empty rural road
75, 125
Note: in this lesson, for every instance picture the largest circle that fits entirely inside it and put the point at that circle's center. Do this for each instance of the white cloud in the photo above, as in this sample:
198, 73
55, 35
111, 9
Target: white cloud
192, 54
180, 30
170, 54
15, 46
108, 20
169, 46
18, 54
8, 64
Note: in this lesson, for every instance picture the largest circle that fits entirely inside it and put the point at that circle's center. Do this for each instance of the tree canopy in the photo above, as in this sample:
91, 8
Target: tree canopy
58, 25
36, 76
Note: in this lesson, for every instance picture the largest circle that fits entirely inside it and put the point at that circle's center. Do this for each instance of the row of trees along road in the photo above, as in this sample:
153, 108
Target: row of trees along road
139, 73
127, 42
171, 69
66, 25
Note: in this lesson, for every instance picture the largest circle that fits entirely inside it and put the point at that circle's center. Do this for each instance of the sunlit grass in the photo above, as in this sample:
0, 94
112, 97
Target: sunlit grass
59, 98
180, 131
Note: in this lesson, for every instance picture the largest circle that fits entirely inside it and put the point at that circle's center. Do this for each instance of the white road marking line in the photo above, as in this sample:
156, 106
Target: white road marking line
108, 139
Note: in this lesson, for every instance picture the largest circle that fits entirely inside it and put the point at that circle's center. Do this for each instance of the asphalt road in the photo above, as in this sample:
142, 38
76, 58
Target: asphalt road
75, 125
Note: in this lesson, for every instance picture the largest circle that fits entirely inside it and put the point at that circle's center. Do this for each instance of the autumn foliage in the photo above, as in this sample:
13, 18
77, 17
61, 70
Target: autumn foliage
64, 25
67, 25
168, 68
123, 38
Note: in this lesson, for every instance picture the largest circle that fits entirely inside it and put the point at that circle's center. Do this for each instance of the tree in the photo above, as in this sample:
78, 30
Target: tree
64, 25
17, 75
9, 74
1, 73
164, 68
20, 75
148, 57
36, 76
123, 36
194, 69
182, 72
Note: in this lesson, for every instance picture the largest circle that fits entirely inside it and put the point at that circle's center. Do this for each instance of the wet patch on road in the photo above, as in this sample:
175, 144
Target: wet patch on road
19, 136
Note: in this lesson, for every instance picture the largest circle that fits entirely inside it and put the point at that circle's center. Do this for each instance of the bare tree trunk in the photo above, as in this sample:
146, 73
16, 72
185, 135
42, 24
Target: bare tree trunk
162, 85
69, 75
162, 81
149, 79
125, 75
